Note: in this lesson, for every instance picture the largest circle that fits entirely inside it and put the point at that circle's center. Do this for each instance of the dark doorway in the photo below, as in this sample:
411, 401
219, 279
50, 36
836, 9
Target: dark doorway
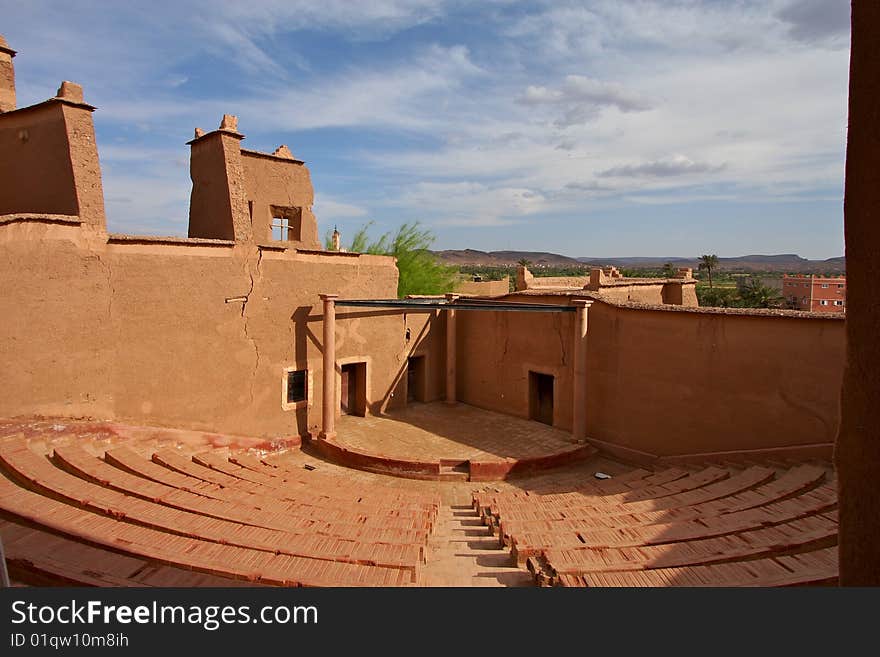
415, 379
541, 397
352, 400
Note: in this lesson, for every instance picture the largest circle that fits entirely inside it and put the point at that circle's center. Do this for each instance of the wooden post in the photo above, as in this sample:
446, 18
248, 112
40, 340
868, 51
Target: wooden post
328, 407
579, 416
450, 350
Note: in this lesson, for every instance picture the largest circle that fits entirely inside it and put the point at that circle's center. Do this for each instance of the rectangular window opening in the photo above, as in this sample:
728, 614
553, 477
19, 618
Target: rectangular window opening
297, 390
286, 224
280, 229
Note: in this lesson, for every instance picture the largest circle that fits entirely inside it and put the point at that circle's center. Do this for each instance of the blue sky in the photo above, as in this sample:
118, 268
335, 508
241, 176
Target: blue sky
618, 128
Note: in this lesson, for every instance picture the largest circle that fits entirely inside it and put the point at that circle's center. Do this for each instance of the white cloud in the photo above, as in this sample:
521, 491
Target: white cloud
368, 20
817, 20
326, 209
675, 165
142, 204
409, 96
581, 99
470, 204
551, 108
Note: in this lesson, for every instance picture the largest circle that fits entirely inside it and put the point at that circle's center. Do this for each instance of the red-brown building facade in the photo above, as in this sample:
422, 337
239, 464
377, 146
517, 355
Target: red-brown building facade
824, 294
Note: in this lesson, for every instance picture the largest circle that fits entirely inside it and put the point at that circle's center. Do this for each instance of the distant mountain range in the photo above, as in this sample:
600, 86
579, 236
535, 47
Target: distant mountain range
787, 262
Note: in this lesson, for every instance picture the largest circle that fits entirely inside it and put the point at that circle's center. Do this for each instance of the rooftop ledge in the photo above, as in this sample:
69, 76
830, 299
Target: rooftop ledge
270, 156
666, 307
711, 310
291, 246
68, 219
646, 281
46, 103
335, 254
120, 238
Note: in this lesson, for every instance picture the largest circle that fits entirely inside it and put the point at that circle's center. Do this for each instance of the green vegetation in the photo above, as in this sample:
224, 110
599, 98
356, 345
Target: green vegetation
486, 272
420, 271
707, 264
740, 290
755, 294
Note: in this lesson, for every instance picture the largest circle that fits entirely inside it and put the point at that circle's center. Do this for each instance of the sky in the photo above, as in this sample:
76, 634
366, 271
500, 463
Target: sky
618, 128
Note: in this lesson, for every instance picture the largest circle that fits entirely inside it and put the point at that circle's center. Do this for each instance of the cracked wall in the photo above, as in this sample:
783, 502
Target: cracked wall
496, 351
141, 332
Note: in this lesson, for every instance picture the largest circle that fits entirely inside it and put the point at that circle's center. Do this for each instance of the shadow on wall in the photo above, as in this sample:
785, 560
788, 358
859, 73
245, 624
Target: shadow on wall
303, 319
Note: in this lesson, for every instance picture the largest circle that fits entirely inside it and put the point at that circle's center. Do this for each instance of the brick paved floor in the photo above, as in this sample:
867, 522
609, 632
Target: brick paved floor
438, 431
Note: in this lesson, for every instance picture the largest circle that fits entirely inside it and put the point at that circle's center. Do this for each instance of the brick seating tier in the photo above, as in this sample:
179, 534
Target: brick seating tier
721, 525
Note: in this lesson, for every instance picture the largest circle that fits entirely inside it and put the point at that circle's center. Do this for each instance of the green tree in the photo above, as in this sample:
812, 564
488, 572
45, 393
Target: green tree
755, 294
523, 262
721, 297
419, 270
707, 264
668, 270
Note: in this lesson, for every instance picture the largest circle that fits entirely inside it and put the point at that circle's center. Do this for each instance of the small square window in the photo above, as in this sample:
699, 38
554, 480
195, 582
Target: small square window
286, 223
280, 229
823, 302
297, 388
825, 285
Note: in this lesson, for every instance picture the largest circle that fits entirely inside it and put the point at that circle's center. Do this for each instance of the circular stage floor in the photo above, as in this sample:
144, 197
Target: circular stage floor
441, 441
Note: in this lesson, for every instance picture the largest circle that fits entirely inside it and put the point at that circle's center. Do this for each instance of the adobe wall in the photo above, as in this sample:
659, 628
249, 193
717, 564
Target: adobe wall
665, 382
618, 293
496, 351
676, 382
7, 77
427, 338
857, 452
217, 206
689, 296
484, 288
278, 181
188, 333
35, 170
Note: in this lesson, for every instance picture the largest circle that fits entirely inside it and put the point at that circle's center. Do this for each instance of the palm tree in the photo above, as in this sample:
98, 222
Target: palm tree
668, 270
757, 295
709, 262
523, 262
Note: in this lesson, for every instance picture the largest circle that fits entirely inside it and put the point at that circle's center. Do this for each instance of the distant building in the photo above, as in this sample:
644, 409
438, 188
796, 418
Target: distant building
610, 285
824, 294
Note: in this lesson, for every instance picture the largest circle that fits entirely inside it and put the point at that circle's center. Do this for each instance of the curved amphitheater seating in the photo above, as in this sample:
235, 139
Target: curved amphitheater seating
811, 568
82, 464
288, 530
217, 519
717, 526
42, 559
341, 510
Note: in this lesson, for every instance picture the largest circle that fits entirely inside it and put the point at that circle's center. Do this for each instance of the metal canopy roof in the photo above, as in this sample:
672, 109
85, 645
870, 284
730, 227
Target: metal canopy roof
459, 304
